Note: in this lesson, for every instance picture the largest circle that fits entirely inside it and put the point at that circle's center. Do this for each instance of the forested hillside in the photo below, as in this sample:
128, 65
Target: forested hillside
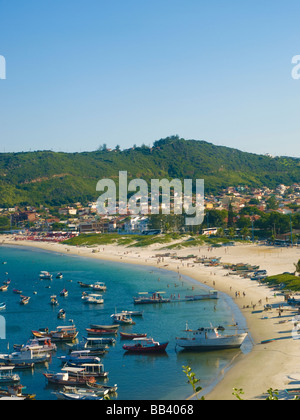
46, 177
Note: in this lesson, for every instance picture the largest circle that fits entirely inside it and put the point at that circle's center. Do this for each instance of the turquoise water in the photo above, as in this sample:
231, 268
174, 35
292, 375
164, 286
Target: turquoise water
139, 377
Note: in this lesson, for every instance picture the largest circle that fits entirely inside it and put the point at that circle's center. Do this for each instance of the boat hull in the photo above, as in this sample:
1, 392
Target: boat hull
146, 349
220, 343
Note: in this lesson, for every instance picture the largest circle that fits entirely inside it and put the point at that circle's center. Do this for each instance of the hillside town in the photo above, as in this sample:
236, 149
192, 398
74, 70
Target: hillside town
234, 210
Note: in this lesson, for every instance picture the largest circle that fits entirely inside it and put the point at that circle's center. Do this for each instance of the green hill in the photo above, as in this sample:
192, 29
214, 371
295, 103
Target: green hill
46, 177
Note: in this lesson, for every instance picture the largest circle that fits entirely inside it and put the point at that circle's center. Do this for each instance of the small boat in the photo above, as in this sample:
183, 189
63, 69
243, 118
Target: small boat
61, 314
7, 282
209, 339
91, 370
4, 288
145, 345
16, 391
64, 293
25, 356
122, 319
61, 334
7, 377
77, 396
100, 332
105, 327
45, 275
69, 376
54, 301
84, 285
59, 276
2, 306
17, 291
99, 286
133, 313
94, 391
24, 300
111, 389
37, 345
79, 357
92, 342
93, 299
131, 336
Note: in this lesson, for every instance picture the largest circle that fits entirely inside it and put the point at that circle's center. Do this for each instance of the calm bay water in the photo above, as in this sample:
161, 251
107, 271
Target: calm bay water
139, 377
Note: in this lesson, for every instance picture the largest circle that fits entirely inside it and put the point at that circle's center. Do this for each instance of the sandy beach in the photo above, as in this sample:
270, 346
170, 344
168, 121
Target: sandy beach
275, 364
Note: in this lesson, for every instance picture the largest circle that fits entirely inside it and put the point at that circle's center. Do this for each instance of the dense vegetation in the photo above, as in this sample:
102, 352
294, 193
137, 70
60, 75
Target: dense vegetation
46, 177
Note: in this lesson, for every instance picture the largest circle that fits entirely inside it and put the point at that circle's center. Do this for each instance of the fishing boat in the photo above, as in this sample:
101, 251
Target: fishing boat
38, 345
2, 305
95, 386
69, 376
16, 391
105, 327
17, 291
91, 370
131, 336
145, 345
84, 285
61, 334
209, 339
122, 319
95, 346
64, 293
96, 342
7, 377
93, 299
133, 313
100, 332
99, 286
59, 276
61, 314
53, 300
150, 298
26, 356
45, 275
100, 392
24, 300
4, 288
79, 357
77, 396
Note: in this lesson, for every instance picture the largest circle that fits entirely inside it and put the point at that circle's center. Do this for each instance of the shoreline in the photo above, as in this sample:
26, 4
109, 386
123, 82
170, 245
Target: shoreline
270, 365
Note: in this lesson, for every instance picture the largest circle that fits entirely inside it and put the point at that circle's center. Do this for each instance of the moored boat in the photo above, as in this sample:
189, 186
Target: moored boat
45, 275
131, 336
209, 339
69, 376
61, 314
24, 300
92, 299
145, 345
100, 332
7, 377
64, 293
122, 319
2, 305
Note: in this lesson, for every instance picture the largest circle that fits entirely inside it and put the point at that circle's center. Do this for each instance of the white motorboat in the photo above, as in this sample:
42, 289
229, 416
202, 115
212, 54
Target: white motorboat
99, 286
93, 299
209, 339
45, 275
26, 356
7, 377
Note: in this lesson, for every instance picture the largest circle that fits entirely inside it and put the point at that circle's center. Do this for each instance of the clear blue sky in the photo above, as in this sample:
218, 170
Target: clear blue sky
81, 73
